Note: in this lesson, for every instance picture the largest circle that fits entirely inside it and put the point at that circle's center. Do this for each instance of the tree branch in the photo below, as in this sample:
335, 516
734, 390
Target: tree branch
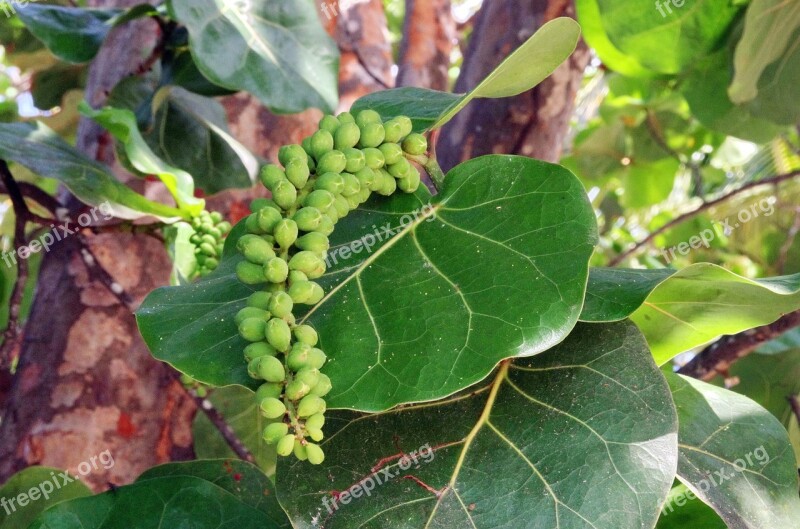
706, 205
719, 356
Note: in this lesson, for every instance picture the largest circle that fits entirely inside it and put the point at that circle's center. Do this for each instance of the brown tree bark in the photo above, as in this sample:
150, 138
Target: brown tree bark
532, 124
429, 33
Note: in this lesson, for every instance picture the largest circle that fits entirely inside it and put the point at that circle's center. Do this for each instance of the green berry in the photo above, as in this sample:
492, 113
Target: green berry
316, 294
272, 408
399, 169
331, 182
271, 175
257, 350
354, 200
374, 158
281, 304
366, 117
275, 432
316, 421
316, 358
372, 135
296, 390
295, 276
388, 184
270, 389
306, 145
267, 218
250, 274
364, 195
307, 219
309, 263
329, 123
308, 376
297, 172
208, 249
270, 368
255, 249
278, 335
321, 143
326, 226
323, 387
301, 291
285, 445
315, 454
314, 242
250, 312
415, 144
392, 152
342, 206
306, 334
356, 160
394, 131
310, 405
319, 198
298, 357
410, 182
259, 300
351, 185
300, 450
331, 162
366, 178
287, 153
315, 434
284, 194
406, 125
347, 136
286, 233
275, 271
346, 117
252, 329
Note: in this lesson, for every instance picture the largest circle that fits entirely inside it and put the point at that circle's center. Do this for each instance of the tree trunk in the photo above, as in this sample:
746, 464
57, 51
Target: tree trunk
428, 39
534, 123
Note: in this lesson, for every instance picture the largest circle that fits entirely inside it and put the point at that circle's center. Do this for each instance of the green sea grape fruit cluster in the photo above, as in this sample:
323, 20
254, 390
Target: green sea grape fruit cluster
333, 172
210, 230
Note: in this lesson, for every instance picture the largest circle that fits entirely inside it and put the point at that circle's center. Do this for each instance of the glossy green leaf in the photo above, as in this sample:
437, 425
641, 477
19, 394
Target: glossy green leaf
613, 294
179, 69
584, 435
42, 151
200, 495
768, 29
32, 490
239, 407
526, 67
72, 34
684, 510
777, 88
665, 37
735, 456
494, 267
278, 51
121, 123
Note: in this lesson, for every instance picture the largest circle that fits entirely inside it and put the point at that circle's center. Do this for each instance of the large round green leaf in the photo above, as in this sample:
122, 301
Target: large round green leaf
41, 487
276, 50
424, 298
582, 436
735, 456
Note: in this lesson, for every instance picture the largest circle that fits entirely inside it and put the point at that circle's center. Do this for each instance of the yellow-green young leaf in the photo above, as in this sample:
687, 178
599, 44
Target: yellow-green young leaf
121, 123
582, 436
276, 50
199, 494
735, 456
768, 29
47, 487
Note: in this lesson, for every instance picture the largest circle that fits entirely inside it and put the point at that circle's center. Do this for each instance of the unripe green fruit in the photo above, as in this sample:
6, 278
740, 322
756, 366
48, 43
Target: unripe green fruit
388, 184
317, 293
212, 263
315, 454
284, 194
255, 249
326, 226
366, 178
308, 376
306, 334
311, 163
275, 432
297, 172
250, 274
323, 387
300, 451
315, 435
364, 195
346, 117
356, 160
267, 218
365, 117
331, 182
295, 276
225, 227
321, 143
319, 198
259, 300
296, 390
308, 218
210, 239
278, 335
372, 135
351, 185
208, 249
347, 136
275, 271
394, 131
286, 233
406, 125
272, 408
261, 203
298, 357
288, 153
250, 312
270, 368
329, 123
285, 445
400, 169
314, 242
309, 263
306, 145
271, 175
374, 158
332, 213
257, 350
310, 405
342, 206
252, 329
252, 226
269, 389
353, 201
301, 291
281, 304
316, 421
331, 162
316, 358
415, 144
411, 182
392, 152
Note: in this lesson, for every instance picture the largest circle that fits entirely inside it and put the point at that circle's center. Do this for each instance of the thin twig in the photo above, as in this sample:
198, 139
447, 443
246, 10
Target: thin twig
719, 356
706, 205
